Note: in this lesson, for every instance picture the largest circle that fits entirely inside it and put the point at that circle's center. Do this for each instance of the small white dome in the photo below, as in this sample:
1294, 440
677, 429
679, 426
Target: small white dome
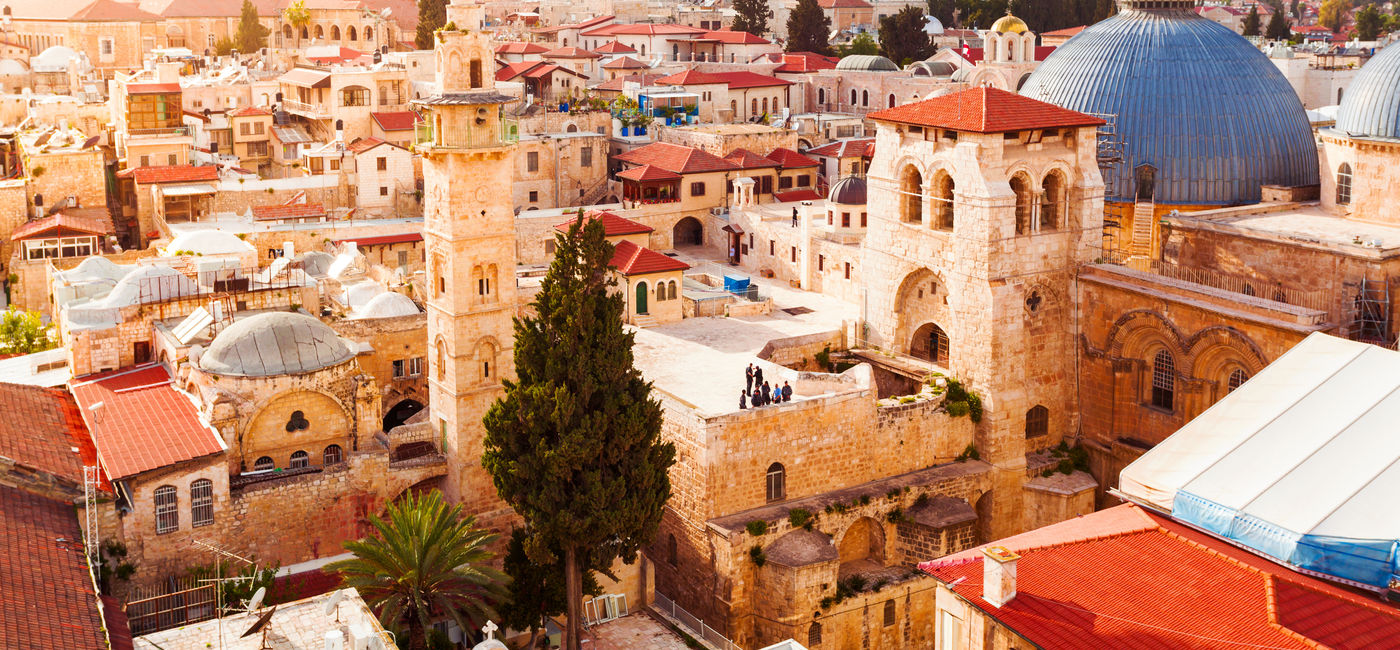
359, 294
54, 59
12, 67
207, 242
315, 262
387, 305
932, 26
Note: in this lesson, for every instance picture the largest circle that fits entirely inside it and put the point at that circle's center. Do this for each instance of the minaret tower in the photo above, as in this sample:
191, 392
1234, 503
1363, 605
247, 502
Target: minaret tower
469, 234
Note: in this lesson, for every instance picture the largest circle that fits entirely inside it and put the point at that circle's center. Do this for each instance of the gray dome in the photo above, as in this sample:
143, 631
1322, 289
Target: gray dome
1189, 97
275, 343
867, 63
848, 191
1371, 105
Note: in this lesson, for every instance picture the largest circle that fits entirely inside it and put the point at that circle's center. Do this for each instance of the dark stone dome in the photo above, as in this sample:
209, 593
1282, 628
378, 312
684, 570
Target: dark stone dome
848, 191
1187, 96
1371, 105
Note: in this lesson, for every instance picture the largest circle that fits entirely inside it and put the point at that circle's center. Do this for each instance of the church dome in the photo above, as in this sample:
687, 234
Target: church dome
1010, 24
867, 63
848, 191
1371, 105
275, 343
1195, 101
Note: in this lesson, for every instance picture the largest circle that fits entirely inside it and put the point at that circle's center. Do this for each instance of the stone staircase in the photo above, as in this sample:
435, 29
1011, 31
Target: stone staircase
643, 320
1142, 229
595, 193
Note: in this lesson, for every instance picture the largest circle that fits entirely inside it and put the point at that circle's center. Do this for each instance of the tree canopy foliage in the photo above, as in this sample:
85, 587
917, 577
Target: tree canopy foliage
809, 30
751, 16
902, 36
432, 15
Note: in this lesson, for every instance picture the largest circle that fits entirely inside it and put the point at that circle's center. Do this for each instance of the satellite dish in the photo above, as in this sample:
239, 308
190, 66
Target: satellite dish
88, 144
333, 603
261, 624
257, 599
387, 12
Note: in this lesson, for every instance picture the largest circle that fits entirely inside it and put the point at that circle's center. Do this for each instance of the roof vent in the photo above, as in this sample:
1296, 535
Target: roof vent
998, 575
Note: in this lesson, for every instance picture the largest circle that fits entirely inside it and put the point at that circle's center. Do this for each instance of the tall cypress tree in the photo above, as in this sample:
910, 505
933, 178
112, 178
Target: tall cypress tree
902, 36
251, 34
432, 15
1279, 29
1251, 22
575, 445
751, 16
809, 29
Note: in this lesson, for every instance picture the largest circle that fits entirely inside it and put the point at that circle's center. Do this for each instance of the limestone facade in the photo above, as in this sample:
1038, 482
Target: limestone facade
558, 170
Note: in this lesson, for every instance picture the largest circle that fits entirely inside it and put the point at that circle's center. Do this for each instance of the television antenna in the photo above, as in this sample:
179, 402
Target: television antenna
219, 579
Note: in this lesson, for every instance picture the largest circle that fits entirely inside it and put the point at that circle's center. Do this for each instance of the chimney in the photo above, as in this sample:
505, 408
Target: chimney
998, 575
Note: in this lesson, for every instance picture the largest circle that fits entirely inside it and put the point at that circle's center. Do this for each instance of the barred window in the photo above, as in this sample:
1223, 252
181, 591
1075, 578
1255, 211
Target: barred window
299, 459
201, 503
814, 633
167, 509
263, 463
889, 613
332, 455
354, 96
1163, 379
1037, 421
1237, 378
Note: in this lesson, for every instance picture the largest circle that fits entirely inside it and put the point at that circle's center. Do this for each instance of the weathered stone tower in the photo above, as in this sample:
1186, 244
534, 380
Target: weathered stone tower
983, 205
469, 234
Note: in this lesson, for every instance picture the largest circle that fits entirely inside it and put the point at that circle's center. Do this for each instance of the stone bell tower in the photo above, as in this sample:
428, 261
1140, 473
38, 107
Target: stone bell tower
469, 234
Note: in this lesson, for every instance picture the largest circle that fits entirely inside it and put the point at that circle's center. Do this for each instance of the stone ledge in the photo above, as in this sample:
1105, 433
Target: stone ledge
1063, 484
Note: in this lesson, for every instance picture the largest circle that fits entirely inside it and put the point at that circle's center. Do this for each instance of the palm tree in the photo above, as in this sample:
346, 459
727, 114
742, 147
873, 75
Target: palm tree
298, 17
425, 561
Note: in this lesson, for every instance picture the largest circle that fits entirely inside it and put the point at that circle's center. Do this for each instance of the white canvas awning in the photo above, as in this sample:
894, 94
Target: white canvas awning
188, 190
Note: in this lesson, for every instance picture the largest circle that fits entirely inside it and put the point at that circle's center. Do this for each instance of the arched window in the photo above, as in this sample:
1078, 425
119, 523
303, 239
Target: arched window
1237, 378
734, 107
441, 360
263, 463
320, 32
287, 31
1037, 421
938, 345
672, 557
814, 635
776, 483
350, 33
891, 101
299, 460
201, 503
304, 33
1344, 184
865, 98
369, 33
853, 97
671, 290
911, 195
1163, 379
332, 455
335, 32
354, 96
474, 72
753, 107
1021, 186
167, 509
821, 95
765, 104
943, 207
889, 613
1052, 198
486, 360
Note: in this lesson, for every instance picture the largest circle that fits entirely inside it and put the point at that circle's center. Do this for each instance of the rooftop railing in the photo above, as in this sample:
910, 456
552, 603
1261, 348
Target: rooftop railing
466, 137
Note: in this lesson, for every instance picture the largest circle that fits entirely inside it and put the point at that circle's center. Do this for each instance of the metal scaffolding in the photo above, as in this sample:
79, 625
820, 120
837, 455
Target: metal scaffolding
1109, 155
1366, 309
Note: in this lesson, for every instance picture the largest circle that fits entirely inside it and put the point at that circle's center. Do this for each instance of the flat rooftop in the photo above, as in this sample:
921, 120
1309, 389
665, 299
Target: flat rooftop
236, 224
300, 624
702, 360
731, 129
1307, 223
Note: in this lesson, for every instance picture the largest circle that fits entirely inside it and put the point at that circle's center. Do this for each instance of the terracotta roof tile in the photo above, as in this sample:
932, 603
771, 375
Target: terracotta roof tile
746, 79
364, 144
798, 195
691, 77
52, 226
746, 159
293, 211
520, 48
675, 158
250, 111
648, 173
112, 11
383, 239
40, 430
614, 47
844, 4
1068, 31
569, 53
615, 84
644, 29
790, 159
794, 62
631, 259
985, 110
731, 37
613, 225
513, 70
171, 174
625, 63
144, 422
49, 600
395, 120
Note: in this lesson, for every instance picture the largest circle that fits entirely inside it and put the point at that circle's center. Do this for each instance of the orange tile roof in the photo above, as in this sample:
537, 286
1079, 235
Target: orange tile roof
250, 111
43, 431
52, 226
569, 53
691, 77
383, 239
520, 48
613, 225
645, 79
152, 89
643, 29
614, 47
1128, 578
985, 110
513, 70
648, 173
171, 174
731, 37
624, 63
293, 211
746, 79
143, 423
364, 144
1068, 31
675, 158
112, 11
746, 159
49, 599
631, 259
790, 159
798, 195
805, 62
395, 120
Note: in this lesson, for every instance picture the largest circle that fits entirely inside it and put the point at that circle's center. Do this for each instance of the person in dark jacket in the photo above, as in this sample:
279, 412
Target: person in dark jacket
757, 399
794, 216
743, 399
787, 392
767, 394
748, 378
757, 376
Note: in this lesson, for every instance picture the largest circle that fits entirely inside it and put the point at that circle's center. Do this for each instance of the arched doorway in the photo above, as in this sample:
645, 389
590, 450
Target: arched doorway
1146, 176
400, 413
930, 343
863, 542
641, 303
688, 232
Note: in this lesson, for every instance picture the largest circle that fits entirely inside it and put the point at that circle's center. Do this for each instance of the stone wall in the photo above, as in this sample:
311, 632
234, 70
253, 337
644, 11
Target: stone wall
68, 173
721, 140
559, 179
794, 351
1055, 498
398, 338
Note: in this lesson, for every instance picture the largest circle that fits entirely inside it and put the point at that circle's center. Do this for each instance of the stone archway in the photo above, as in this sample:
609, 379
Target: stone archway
688, 232
864, 541
930, 343
400, 413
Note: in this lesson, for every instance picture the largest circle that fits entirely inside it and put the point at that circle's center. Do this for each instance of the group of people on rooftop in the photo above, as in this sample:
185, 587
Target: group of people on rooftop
759, 393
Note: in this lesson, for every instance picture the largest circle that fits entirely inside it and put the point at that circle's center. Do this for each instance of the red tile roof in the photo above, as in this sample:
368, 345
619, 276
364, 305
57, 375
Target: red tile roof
1128, 578
624, 63
746, 159
171, 174
151, 89
41, 430
643, 29
675, 158
293, 211
613, 225
631, 259
383, 240
111, 10
362, 145
614, 47
794, 62
691, 77
798, 195
731, 37
1068, 31
849, 148
985, 110
395, 120
520, 48
250, 111
342, 55
790, 159
48, 600
513, 70
746, 79
615, 84
844, 4
57, 224
143, 423
570, 53
648, 173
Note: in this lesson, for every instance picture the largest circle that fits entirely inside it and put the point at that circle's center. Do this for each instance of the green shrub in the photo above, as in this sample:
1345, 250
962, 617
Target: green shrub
895, 516
907, 399
857, 583
894, 492
974, 407
756, 554
865, 499
957, 409
757, 527
922, 500
800, 518
1065, 466
826, 602
969, 453
956, 392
